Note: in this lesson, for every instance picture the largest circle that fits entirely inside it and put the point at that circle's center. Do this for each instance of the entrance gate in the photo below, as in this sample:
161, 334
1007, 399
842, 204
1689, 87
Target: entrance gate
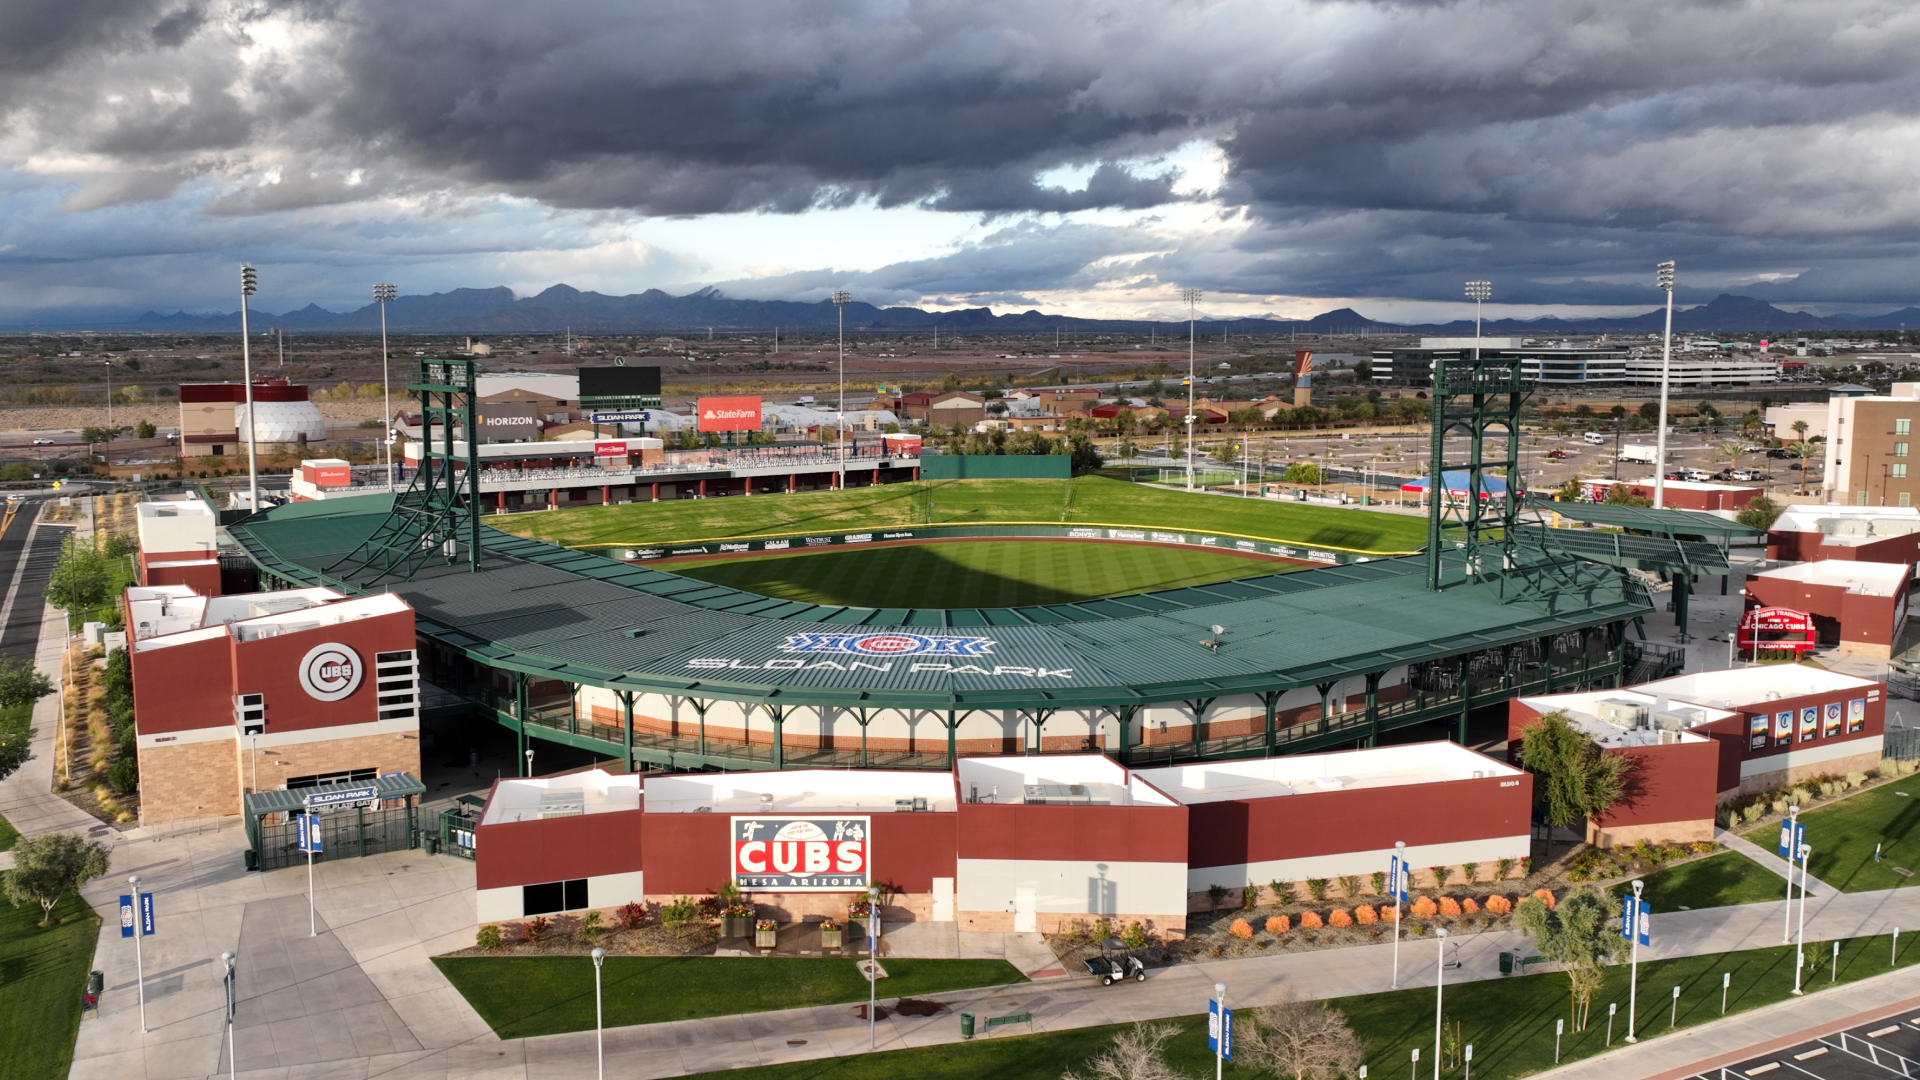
391, 824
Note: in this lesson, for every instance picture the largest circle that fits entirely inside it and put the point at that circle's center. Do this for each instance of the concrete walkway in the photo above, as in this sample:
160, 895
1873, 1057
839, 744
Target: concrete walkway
1772, 861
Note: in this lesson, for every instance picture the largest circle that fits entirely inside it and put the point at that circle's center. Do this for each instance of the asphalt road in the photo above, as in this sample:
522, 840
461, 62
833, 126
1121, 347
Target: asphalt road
1881, 1048
22, 586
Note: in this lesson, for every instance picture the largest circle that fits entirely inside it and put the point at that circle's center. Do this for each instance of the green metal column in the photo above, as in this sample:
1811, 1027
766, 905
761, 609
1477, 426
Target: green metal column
1198, 706
626, 709
1682, 588
1546, 664
778, 713
1271, 699
953, 727
520, 714
1373, 709
1466, 696
1125, 714
700, 710
1325, 688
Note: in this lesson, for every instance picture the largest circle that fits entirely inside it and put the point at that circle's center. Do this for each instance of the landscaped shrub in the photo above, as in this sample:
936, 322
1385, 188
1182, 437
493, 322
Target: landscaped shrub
1702, 847
1798, 797
1827, 789
536, 928
1136, 936
1365, 915
632, 916
1449, 907
1249, 896
1779, 806
1350, 885
1317, 889
1545, 896
590, 928
1240, 929
1855, 779
1390, 912
1282, 893
1499, 905
1279, 924
1339, 917
1379, 881
1469, 870
1425, 908
488, 937
1215, 894
1502, 868
1439, 875
1310, 920
1753, 813
1470, 906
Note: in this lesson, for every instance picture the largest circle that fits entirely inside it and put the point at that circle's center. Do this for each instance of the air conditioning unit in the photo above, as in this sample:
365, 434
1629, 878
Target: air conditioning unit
559, 804
250, 714
1622, 712
1679, 719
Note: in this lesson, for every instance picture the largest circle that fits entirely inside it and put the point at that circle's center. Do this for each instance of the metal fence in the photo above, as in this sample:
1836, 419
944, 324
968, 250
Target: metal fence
1903, 744
347, 834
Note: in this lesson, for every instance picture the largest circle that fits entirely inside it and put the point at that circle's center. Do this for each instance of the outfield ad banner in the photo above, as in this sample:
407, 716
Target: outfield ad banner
1296, 553
802, 854
729, 414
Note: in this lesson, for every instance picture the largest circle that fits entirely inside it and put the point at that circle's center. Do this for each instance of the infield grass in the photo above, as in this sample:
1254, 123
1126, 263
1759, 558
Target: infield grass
1082, 500
974, 573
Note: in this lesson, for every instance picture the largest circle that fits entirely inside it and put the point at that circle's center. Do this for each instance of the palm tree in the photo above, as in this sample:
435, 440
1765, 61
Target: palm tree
1801, 449
1731, 449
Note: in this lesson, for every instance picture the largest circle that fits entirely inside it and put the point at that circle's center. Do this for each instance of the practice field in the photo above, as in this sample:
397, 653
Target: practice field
973, 573
1084, 500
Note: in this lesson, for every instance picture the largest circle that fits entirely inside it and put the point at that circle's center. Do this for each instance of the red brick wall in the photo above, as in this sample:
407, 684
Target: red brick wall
183, 687
556, 849
1866, 619
1077, 833
271, 666
1666, 784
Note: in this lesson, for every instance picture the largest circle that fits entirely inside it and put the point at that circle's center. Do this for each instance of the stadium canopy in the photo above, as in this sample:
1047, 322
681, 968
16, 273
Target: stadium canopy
1672, 524
1457, 484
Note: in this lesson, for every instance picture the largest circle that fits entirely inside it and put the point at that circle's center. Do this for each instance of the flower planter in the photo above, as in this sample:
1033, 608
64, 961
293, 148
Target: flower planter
857, 927
736, 925
764, 939
830, 939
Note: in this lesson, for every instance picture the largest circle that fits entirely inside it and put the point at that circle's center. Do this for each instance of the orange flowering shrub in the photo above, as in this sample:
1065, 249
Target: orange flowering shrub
1240, 929
1425, 908
1365, 915
1310, 920
1339, 917
1545, 896
1278, 924
1449, 907
1470, 906
1390, 912
1499, 905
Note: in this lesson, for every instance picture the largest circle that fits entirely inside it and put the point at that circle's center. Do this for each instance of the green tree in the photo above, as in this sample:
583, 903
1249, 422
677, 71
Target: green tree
91, 435
144, 430
49, 866
1227, 453
1649, 411
1579, 935
1086, 456
1622, 495
1574, 780
1759, 514
1303, 472
21, 683
80, 577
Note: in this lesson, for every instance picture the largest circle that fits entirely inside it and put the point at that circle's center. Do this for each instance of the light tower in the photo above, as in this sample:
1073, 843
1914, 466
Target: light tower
1192, 297
382, 294
248, 285
1479, 292
1665, 271
841, 298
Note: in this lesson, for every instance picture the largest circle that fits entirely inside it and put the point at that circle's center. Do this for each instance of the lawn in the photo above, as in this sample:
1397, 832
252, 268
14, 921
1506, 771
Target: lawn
1509, 1023
42, 973
1717, 881
523, 996
974, 573
14, 720
1843, 836
1083, 500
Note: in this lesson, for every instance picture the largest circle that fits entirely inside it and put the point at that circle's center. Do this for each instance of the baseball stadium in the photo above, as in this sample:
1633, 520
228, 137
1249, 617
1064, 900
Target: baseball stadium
908, 624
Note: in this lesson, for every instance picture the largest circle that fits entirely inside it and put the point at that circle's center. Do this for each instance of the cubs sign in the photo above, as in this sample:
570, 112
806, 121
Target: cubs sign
330, 672
889, 643
802, 854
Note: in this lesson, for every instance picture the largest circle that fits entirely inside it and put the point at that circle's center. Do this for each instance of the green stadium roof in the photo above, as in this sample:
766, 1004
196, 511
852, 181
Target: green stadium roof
580, 617
1668, 523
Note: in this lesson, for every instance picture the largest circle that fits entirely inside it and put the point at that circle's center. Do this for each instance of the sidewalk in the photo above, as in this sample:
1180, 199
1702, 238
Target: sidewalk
1771, 860
27, 800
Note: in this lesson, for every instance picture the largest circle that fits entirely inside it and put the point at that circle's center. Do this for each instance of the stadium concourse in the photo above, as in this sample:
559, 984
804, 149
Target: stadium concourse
654, 669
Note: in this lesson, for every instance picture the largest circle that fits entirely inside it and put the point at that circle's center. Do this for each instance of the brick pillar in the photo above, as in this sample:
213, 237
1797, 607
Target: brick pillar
606, 494
791, 482
703, 489
553, 499
875, 482
656, 493
500, 501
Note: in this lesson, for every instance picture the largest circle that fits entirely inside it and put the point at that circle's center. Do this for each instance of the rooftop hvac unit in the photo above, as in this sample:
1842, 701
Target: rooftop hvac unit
250, 714
1622, 712
557, 804
908, 806
1064, 795
1679, 719
1668, 738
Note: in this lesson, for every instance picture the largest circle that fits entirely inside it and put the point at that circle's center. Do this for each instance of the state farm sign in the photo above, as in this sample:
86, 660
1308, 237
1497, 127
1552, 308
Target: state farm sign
802, 854
729, 414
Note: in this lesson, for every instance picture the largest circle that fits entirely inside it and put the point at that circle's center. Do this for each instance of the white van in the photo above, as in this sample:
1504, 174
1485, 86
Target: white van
1595, 438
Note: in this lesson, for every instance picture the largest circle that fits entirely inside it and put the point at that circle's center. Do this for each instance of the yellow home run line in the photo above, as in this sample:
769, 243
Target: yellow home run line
985, 524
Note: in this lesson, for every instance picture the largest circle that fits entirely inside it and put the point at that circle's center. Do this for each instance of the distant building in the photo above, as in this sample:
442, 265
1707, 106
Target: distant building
1870, 448
1560, 365
213, 417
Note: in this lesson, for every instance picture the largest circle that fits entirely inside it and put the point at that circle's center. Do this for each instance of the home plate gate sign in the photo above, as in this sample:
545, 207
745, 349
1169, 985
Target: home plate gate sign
802, 854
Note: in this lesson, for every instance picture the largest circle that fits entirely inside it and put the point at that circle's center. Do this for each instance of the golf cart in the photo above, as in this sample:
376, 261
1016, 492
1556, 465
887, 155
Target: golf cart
1115, 963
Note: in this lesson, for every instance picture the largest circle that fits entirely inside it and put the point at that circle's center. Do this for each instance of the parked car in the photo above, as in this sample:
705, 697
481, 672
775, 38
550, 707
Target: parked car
1558, 454
1748, 474
1777, 452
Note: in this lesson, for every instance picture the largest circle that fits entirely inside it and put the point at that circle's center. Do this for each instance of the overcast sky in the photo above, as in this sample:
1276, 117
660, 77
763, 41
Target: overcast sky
1285, 156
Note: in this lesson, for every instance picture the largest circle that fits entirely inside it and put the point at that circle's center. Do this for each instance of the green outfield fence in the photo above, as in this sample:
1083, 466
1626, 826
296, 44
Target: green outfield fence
996, 467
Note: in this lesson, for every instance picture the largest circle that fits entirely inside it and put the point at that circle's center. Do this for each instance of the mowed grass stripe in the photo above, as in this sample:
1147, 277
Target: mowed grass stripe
973, 573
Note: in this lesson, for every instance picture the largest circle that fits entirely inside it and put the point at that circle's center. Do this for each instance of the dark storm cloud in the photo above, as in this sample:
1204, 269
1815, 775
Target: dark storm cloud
1378, 149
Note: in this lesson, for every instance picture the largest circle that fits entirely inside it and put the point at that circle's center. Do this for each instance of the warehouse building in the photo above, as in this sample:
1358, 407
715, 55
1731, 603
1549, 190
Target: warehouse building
213, 417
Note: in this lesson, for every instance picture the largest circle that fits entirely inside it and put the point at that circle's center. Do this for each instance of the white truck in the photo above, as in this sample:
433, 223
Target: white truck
1642, 453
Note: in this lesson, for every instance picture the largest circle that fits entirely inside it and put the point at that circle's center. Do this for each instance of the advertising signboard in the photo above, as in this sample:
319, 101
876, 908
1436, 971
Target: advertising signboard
635, 387
1830, 719
344, 798
729, 414
610, 449
1809, 723
624, 416
1757, 732
509, 421
1220, 1030
1776, 628
330, 671
1783, 728
1856, 715
802, 854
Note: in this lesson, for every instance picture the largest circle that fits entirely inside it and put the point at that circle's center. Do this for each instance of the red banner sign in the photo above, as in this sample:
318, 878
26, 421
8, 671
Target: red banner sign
332, 476
609, 449
802, 854
729, 414
1776, 628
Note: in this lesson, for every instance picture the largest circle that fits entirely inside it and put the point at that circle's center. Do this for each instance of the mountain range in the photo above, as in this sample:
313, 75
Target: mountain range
562, 307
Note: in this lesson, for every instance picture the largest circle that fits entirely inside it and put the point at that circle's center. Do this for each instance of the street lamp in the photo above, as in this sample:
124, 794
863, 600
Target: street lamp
1399, 909
233, 1069
109, 364
841, 298
249, 284
1665, 271
1220, 1034
1192, 297
1633, 976
139, 962
873, 958
1800, 947
382, 294
599, 1027
1791, 841
1439, 991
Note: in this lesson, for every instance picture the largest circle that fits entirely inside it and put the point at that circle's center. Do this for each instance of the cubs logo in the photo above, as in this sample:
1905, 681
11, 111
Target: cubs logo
330, 672
889, 644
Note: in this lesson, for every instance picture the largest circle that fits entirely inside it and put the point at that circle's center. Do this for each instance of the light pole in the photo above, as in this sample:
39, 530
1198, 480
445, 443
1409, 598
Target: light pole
1220, 1036
233, 1068
109, 364
529, 762
139, 962
599, 1025
873, 959
1192, 297
384, 293
1791, 843
1439, 991
1479, 292
1665, 271
248, 285
1800, 947
1399, 909
841, 298
1633, 976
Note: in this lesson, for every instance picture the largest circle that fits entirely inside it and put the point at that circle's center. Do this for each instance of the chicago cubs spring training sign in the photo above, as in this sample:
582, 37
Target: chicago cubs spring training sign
330, 672
802, 854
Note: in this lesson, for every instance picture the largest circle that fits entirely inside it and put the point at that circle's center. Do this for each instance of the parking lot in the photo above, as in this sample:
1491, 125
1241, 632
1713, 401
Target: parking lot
1886, 1047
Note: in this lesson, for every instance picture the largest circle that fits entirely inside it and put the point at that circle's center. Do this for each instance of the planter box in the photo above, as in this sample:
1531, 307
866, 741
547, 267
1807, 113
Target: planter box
764, 939
736, 926
857, 928
830, 939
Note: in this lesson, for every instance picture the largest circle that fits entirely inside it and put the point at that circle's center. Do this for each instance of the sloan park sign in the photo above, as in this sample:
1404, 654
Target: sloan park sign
887, 646
802, 854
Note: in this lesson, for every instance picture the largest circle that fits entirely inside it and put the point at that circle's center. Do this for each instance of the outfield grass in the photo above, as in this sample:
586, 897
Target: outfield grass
1717, 881
974, 573
1509, 1023
1843, 836
1082, 500
523, 996
42, 973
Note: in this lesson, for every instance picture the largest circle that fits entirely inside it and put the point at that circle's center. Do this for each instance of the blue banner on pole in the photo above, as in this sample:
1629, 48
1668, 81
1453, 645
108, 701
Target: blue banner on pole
146, 914
1220, 1030
1397, 875
126, 916
306, 831
1644, 924
1627, 912
1792, 835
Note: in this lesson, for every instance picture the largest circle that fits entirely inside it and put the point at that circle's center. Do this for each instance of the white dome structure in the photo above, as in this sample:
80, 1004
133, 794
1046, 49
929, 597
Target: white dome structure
283, 422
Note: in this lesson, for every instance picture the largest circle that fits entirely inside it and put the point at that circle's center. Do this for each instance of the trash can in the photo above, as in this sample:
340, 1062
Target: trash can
96, 982
1506, 963
433, 845
966, 1024
252, 858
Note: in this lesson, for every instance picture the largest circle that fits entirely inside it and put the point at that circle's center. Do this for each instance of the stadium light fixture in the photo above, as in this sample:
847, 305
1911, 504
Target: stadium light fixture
1192, 297
249, 284
841, 298
382, 294
1664, 274
1479, 292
